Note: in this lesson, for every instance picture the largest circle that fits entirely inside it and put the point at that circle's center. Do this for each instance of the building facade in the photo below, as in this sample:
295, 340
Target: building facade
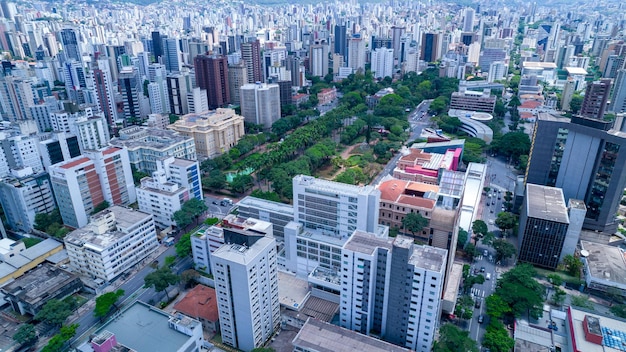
246, 285
23, 196
115, 240
260, 103
214, 132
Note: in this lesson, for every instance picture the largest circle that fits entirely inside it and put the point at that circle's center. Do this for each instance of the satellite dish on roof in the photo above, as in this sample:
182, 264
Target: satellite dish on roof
584, 253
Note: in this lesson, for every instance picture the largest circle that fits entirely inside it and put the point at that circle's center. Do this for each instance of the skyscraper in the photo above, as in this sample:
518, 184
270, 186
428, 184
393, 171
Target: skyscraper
356, 52
171, 55
130, 86
396, 36
382, 63
468, 20
251, 55
212, 75
237, 77
431, 47
392, 288
318, 59
247, 287
618, 99
103, 84
596, 97
178, 85
23, 196
260, 103
71, 48
586, 159
341, 40
157, 46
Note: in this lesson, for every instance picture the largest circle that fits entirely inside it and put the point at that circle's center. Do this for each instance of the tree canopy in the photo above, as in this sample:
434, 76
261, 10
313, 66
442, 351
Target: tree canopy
106, 301
414, 222
451, 338
497, 338
58, 342
519, 289
504, 249
161, 279
506, 221
183, 246
189, 211
54, 312
573, 265
25, 335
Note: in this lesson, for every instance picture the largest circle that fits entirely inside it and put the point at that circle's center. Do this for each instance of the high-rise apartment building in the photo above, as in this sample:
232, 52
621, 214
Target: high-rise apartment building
178, 85
197, 101
71, 45
16, 98
318, 59
382, 63
56, 147
345, 208
397, 33
103, 84
130, 87
468, 20
23, 195
113, 241
212, 75
246, 285
92, 131
157, 45
260, 103
392, 288
161, 198
251, 56
618, 99
82, 183
341, 40
585, 158
356, 53
237, 77
596, 97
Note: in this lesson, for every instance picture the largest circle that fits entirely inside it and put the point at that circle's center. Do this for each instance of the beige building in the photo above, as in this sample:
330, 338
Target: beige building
214, 132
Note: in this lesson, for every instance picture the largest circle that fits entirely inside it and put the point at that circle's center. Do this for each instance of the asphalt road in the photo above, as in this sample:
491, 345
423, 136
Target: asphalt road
215, 207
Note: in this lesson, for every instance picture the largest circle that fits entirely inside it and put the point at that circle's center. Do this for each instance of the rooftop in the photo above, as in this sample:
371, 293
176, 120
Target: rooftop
292, 291
151, 324
332, 186
268, 205
612, 332
547, 203
241, 254
324, 337
39, 283
429, 258
535, 64
606, 263
199, 302
576, 70
135, 137
366, 243
320, 309
408, 192
92, 234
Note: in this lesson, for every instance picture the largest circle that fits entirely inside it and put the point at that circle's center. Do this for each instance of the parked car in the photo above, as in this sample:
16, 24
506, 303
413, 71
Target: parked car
480, 319
488, 277
477, 304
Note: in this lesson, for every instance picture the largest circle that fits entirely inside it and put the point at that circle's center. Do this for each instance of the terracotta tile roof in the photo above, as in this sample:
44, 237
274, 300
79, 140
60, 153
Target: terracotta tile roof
76, 162
526, 115
393, 191
110, 150
200, 302
530, 104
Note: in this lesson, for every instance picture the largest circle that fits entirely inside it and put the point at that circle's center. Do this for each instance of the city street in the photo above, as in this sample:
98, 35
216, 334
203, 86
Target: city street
482, 291
216, 209
133, 290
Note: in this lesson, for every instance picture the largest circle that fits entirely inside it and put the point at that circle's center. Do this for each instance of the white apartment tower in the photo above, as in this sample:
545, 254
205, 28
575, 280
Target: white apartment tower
115, 239
260, 103
382, 63
402, 308
246, 286
92, 131
197, 101
356, 53
318, 54
338, 209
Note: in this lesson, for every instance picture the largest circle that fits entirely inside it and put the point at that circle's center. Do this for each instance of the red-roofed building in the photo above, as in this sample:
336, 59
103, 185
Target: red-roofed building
399, 197
84, 182
327, 95
201, 303
420, 166
299, 99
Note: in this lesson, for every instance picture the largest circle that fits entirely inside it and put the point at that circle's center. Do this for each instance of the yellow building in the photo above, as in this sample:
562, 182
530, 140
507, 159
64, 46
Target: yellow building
214, 132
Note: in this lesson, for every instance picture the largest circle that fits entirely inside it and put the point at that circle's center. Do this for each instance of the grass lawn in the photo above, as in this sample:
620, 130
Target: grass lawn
566, 277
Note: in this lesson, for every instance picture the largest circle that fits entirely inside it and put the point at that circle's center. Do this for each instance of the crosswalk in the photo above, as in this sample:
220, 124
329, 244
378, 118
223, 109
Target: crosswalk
478, 292
478, 257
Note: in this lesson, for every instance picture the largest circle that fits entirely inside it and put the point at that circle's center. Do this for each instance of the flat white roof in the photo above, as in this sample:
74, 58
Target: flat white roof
576, 70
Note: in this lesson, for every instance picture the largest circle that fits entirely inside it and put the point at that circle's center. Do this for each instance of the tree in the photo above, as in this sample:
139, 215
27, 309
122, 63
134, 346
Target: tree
576, 103
480, 229
54, 312
513, 144
451, 338
519, 289
471, 251
506, 221
263, 349
461, 238
497, 338
471, 281
100, 207
496, 306
555, 279
58, 342
619, 310
464, 308
182, 218
189, 211
581, 301
504, 249
161, 279
216, 180
241, 183
414, 222
438, 105
188, 277
25, 335
499, 110
573, 265
558, 297
106, 301
183, 246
